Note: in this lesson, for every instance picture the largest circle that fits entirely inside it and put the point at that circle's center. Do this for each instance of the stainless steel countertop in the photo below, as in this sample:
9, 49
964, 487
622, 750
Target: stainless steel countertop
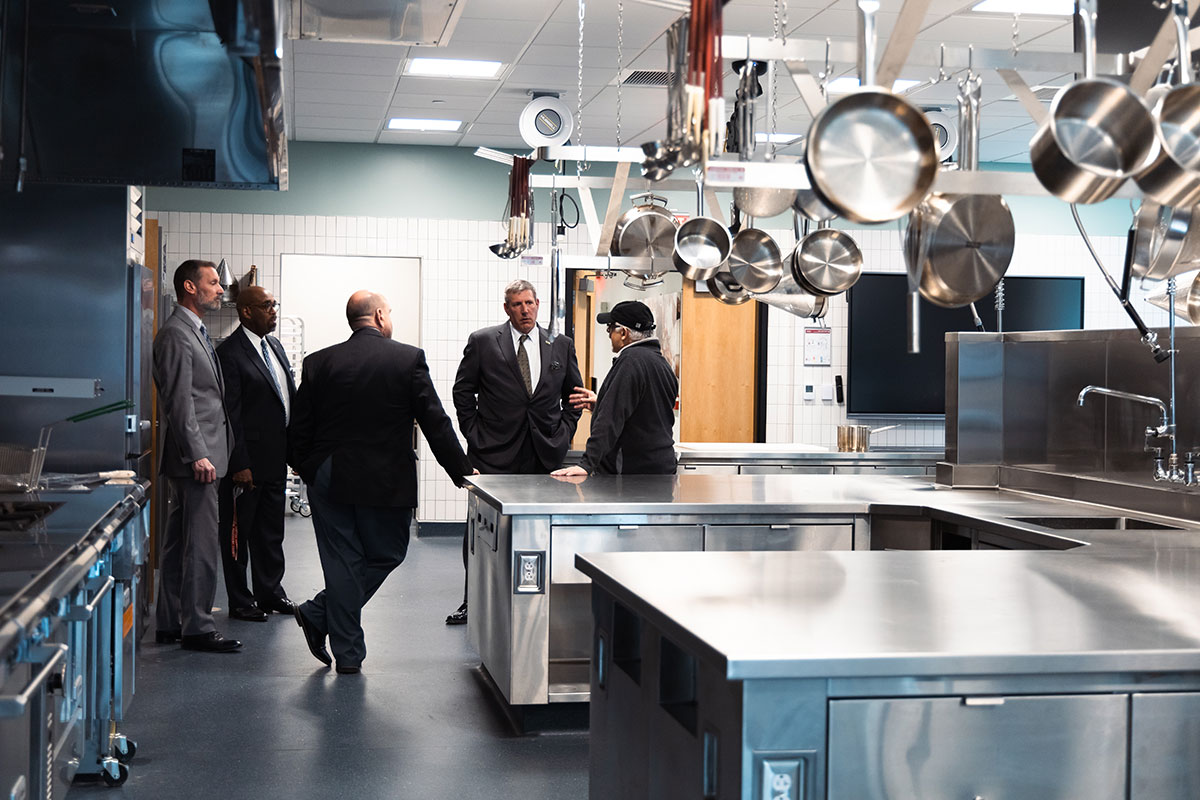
753, 453
920, 614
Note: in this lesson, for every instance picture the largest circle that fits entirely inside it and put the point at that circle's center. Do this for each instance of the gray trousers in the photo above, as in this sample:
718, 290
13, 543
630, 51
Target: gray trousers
188, 559
359, 547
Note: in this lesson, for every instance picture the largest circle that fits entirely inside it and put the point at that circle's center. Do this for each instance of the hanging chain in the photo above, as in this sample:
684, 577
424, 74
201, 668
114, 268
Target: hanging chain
620, 60
777, 33
579, 101
1016, 34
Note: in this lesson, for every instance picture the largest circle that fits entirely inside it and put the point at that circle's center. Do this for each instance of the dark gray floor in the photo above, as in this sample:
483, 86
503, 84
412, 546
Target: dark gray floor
272, 722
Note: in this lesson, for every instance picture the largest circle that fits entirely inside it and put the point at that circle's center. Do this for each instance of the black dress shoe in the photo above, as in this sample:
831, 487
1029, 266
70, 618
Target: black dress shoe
167, 637
211, 642
348, 669
248, 614
458, 617
314, 638
279, 606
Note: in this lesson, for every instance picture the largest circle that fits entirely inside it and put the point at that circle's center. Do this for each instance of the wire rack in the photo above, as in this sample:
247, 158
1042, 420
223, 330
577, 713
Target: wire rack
21, 465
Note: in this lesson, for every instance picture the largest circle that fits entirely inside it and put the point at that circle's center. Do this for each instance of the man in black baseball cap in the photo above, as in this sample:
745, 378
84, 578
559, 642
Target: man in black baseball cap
630, 314
634, 412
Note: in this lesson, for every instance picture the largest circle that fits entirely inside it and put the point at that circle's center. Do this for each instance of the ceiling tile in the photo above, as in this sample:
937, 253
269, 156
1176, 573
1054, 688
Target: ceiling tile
348, 65
343, 81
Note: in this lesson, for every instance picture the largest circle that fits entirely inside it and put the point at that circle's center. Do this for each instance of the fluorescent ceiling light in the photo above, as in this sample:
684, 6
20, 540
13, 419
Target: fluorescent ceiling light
778, 138
400, 124
1040, 8
494, 155
848, 83
452, 68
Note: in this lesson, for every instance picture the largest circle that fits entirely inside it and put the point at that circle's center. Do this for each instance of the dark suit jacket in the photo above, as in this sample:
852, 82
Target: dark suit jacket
190, 399
495, 413
357, 402
255, 410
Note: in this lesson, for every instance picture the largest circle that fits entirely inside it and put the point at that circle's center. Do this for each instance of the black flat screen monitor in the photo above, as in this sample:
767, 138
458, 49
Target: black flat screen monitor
884, 379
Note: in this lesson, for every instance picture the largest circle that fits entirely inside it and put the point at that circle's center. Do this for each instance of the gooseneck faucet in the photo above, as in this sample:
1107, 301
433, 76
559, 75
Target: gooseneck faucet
1165, 429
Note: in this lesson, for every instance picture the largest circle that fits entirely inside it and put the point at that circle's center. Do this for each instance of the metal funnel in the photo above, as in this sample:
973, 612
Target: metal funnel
1187, 301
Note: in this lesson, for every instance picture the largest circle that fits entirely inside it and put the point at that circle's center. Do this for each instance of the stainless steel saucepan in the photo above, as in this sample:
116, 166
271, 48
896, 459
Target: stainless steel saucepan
794, 299
871, 155
723, 287
702, 244
1098, 133
1173, 177
857, 438
958, 247
1166, 242
647, 229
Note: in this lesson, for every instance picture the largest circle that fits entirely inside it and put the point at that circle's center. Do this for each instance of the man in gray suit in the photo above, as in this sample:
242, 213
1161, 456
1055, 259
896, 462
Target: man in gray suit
195, 455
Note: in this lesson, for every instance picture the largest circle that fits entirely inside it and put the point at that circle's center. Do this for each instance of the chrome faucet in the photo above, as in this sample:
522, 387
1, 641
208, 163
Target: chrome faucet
1165, 430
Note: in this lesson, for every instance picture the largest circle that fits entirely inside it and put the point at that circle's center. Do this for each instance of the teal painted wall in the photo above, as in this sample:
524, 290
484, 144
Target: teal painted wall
336, 179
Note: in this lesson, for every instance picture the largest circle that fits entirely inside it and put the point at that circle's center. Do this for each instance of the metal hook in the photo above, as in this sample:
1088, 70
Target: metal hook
970, 61
941, 76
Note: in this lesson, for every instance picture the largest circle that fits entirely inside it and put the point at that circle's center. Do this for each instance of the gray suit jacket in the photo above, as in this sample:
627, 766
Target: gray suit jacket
191, 400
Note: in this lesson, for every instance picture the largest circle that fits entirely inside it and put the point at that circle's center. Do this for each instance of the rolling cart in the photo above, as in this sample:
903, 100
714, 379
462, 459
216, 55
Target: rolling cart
291, 336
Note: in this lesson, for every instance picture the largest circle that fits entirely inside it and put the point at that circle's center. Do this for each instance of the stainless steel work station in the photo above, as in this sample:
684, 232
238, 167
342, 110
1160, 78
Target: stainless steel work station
924, 281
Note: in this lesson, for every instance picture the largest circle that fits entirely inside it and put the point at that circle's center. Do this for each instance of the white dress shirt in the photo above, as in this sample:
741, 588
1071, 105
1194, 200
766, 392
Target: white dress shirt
533, 349
275, 366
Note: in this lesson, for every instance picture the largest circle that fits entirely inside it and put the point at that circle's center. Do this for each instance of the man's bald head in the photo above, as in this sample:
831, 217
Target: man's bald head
251, 296
367, 309
256, 310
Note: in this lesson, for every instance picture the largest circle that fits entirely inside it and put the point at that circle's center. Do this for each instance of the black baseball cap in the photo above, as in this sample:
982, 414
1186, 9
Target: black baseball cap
630, 313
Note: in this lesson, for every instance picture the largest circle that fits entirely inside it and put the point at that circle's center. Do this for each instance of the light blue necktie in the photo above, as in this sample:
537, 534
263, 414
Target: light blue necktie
270, 368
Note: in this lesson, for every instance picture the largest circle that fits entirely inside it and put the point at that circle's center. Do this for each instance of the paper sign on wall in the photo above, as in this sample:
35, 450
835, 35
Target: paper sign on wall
818, 346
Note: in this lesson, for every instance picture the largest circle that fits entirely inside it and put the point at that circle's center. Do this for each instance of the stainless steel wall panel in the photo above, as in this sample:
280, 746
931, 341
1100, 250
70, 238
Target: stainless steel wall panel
1004, 748
64, 312
980, 399
529, 634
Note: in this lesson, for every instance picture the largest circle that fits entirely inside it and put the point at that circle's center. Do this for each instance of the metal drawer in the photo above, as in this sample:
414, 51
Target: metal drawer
779, 537
1163, 746
786, 469
1000, 748
567, 540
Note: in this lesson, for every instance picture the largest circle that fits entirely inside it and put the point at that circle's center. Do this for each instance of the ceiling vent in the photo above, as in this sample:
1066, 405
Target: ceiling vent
653, 78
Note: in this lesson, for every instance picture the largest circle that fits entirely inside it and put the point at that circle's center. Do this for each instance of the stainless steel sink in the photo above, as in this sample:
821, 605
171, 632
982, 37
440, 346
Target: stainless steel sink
1095, 523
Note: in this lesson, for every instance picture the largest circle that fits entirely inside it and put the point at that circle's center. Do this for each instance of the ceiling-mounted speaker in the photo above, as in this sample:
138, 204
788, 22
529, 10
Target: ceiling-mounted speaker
546, 122
945, 132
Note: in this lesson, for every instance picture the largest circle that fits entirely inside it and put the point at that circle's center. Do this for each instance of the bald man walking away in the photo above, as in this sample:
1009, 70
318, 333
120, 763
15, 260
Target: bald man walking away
351, 441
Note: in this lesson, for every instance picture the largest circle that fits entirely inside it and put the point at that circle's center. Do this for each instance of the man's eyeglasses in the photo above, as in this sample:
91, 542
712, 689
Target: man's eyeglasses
266, 306
612, 327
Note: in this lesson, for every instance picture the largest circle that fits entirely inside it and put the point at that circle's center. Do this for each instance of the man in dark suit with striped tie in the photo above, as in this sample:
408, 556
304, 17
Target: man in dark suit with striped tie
259, 390
512, 394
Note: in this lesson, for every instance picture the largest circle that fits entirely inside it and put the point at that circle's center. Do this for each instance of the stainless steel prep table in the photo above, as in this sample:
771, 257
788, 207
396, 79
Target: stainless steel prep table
883, 675
530, 609
68, 591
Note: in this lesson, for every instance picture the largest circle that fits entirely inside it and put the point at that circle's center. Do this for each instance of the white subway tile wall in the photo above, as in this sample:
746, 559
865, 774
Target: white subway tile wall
462, 287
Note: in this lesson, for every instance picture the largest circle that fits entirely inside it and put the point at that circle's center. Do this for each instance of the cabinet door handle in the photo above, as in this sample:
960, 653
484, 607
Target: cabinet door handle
983, 702
780, 527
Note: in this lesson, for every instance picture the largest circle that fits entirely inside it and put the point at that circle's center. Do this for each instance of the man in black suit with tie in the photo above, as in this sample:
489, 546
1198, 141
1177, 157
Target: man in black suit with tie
351, 441
512, 397
259, 391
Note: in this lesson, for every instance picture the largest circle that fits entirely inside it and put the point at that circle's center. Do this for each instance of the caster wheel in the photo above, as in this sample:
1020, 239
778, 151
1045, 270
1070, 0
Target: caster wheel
126, 749
306, 510
296, 506
122, 776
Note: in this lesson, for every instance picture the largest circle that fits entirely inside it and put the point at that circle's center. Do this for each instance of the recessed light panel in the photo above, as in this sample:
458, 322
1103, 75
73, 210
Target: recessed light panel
452, 68
403, 124
1040, 8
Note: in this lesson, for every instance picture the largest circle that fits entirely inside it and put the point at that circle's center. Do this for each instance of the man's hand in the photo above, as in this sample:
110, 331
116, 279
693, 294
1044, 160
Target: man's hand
244, 479
567, 473
582, 398
204, 471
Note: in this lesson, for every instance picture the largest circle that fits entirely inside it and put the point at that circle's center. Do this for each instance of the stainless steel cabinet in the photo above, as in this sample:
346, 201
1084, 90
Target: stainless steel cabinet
1164, 741
567, 540
799, 536
1001, 748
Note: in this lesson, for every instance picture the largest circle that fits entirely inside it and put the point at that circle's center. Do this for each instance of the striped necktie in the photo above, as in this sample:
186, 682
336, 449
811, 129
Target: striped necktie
270, 367
523, 363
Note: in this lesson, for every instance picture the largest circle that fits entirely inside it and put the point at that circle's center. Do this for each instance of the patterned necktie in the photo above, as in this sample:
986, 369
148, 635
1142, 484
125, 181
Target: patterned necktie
270, 368
204, 332
523, 363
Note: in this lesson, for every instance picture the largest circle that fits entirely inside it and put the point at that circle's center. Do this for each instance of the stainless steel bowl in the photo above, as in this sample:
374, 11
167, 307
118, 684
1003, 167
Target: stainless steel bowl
701, 246
762, 203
